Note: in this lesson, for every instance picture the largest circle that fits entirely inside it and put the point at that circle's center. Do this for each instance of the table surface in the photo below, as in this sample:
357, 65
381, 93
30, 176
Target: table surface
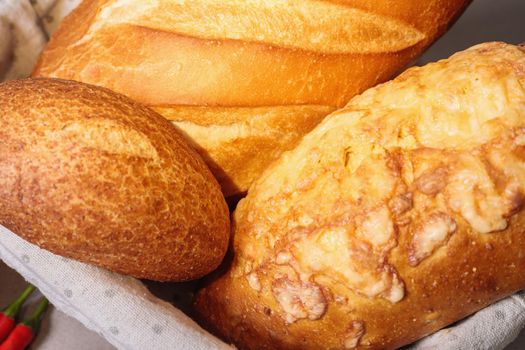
485, 20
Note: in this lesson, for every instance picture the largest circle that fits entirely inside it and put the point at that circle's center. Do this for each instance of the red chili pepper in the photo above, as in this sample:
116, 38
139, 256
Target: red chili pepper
8, 315
25, 331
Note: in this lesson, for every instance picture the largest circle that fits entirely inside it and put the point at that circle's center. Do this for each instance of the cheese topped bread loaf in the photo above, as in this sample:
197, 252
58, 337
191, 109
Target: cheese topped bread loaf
396, 216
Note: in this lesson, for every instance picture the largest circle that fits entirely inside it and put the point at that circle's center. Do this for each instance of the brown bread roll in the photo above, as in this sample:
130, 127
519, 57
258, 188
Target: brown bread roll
396, 216
244, 80
89, 174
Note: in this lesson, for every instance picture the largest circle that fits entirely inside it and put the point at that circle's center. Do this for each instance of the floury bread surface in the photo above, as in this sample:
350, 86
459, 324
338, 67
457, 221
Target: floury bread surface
244, 80
396, 216
89, 174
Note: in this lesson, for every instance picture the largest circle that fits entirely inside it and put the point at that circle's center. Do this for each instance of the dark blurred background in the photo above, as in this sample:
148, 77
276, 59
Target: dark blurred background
484, 20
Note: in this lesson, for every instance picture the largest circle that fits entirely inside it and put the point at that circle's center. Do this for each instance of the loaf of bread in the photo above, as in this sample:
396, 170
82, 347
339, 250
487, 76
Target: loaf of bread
244, 80
396, 216
89, 174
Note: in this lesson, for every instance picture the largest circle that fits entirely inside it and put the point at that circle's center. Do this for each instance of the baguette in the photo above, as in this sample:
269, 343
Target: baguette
89, 174
396, 216
244, 80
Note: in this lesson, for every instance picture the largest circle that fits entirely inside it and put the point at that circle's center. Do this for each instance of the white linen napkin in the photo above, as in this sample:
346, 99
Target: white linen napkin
121, 308
21, 38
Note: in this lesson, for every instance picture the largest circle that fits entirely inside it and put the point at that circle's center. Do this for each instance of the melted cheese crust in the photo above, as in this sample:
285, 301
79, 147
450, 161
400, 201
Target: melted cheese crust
437, 150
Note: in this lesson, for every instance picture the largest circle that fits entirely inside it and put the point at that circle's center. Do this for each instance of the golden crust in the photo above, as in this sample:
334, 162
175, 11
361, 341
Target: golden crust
242, 54
89, 174
242, 143
397, 215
